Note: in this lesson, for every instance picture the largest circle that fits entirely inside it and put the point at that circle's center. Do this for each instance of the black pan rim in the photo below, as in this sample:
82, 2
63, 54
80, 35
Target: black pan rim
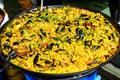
37, 74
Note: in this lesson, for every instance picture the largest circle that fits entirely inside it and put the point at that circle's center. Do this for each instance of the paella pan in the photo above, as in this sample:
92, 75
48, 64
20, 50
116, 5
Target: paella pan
59, 41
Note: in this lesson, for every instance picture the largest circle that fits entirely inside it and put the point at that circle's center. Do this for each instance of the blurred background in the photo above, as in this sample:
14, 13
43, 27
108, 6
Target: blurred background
110, 71
13, 7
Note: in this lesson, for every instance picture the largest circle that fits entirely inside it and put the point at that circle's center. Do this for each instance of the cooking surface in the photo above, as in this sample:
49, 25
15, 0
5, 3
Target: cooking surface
108, 72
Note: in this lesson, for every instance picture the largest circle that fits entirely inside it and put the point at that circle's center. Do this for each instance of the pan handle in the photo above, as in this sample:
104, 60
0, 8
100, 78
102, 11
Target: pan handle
5, 67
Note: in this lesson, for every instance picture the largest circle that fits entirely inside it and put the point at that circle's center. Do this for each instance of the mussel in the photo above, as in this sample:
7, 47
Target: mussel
43, 32
22, 32
50, 46
60, 29
69, 41
79, 37
60, 50
88, 43
9, 34
35, 60
7, 46
78, 31
16, 43
25, 40
12, 54
95, 47
69, 29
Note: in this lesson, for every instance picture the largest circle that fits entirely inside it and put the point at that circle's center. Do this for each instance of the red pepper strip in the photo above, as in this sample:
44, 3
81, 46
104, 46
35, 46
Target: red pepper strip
20, 28
51, 37
28, 51
94, 26
88, 23
44, 45
89, 62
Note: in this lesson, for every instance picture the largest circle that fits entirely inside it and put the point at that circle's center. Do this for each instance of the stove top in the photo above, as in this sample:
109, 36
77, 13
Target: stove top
93, 76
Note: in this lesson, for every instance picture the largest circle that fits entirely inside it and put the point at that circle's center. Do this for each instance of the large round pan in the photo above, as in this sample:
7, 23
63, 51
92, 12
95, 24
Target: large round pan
67, 75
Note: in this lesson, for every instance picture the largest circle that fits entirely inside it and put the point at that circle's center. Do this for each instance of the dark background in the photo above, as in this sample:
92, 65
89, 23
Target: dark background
12, 6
